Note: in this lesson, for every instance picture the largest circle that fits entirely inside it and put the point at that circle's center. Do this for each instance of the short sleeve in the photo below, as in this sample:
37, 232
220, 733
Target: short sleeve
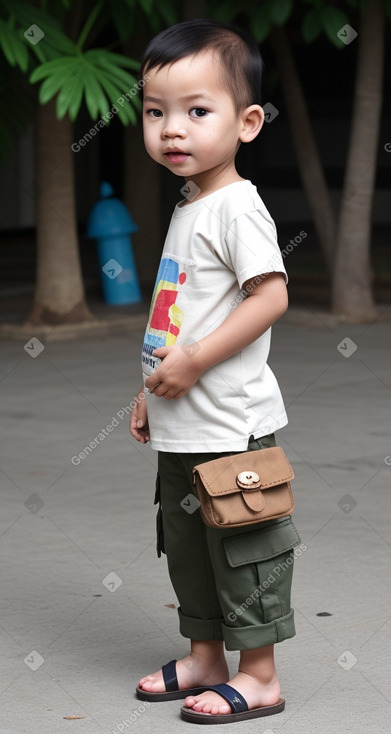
252, 248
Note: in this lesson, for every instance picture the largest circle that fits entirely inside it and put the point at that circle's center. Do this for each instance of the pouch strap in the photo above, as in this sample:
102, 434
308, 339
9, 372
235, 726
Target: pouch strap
254, 500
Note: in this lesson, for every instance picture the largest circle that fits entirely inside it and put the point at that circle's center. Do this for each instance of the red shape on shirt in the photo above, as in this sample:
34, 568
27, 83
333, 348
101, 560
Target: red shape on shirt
160, 319
181, 278
174, 329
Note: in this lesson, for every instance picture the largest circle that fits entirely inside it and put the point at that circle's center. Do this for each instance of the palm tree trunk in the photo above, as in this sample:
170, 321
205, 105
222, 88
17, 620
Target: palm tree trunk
142, 188
308, 158
59, 291
352, 292
142, 198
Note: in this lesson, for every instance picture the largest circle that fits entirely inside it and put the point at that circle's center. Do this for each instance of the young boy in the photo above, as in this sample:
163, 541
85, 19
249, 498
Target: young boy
207, 390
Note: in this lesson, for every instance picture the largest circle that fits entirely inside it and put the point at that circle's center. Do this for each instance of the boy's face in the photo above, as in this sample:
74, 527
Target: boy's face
190, 123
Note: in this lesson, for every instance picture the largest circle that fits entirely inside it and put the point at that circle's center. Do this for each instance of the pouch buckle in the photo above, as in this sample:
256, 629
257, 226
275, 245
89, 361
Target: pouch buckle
248, 480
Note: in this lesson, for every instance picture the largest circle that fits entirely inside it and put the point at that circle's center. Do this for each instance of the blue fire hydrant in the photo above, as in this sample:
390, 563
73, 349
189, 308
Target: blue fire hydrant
111, 224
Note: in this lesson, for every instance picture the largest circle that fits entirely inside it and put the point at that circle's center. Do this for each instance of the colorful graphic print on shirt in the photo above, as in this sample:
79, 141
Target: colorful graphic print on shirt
166, 318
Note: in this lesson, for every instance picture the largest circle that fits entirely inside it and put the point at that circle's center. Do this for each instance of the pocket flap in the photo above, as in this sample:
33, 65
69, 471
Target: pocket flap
219, 475
262, 544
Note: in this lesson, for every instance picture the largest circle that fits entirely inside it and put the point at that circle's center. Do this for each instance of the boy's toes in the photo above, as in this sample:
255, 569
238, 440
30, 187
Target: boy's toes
223, 709
190, 701
202, 705
147, 684
206, 707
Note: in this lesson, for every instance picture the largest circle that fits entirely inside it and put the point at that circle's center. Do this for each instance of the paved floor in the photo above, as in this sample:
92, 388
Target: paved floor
86, 606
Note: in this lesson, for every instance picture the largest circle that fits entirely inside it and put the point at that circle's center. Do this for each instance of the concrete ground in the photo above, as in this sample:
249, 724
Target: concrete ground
86, 606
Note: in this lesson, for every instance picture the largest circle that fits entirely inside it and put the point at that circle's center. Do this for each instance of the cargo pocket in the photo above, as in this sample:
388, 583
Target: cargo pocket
159, 520
264, 558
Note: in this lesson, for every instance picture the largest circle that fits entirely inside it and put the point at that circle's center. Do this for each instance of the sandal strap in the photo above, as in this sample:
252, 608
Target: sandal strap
235, 699
169, 676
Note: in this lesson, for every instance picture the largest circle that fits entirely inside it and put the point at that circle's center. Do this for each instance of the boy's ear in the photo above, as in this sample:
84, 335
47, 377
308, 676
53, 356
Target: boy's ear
252, 119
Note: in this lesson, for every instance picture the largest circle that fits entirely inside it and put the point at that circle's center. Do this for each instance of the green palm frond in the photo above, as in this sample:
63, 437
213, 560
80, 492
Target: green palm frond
13, 44
34, 41
54, 41
98, 76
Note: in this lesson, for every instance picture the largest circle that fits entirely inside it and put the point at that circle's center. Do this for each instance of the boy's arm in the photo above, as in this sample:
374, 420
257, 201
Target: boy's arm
182, 365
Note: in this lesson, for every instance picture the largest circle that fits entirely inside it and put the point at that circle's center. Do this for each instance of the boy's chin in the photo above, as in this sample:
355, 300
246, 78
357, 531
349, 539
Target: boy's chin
180, 174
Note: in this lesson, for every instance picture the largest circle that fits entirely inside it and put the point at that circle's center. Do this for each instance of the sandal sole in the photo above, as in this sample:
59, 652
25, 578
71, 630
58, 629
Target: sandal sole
195, 718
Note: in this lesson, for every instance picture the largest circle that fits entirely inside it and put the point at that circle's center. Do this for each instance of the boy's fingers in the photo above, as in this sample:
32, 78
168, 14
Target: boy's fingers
139, 436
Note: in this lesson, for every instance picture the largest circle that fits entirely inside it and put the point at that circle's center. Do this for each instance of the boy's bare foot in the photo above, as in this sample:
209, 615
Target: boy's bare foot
255, 693
206, 666
256, 680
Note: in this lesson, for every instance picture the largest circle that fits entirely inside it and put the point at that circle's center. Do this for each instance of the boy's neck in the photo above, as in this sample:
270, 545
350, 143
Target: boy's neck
208, 185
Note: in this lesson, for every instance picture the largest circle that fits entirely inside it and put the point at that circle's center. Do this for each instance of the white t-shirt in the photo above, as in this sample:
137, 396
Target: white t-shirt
212, 247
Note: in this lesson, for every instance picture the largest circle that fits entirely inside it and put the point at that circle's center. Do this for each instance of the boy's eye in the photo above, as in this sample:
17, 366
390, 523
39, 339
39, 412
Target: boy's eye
154, 113
198, 112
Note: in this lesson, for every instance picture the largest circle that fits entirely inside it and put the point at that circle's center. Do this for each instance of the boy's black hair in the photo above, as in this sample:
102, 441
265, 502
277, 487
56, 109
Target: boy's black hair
241, 61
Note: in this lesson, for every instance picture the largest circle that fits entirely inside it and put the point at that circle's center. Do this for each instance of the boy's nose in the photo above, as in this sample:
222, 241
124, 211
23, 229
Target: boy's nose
173, 129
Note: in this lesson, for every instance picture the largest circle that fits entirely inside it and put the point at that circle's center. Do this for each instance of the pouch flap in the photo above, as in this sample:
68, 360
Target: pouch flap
219, 476
262, 544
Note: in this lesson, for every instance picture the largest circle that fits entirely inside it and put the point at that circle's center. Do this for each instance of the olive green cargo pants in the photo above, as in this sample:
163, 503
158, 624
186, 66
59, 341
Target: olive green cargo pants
231, 584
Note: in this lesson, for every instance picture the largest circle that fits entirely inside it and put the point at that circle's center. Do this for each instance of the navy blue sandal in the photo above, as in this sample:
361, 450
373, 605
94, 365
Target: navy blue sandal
172, 691
239, 708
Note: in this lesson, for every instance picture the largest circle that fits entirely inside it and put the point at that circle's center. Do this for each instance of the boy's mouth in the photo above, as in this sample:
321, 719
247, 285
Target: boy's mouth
175, 155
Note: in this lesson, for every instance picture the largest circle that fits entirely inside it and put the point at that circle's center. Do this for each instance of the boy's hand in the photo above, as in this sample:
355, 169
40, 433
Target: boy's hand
177, 373
138, 422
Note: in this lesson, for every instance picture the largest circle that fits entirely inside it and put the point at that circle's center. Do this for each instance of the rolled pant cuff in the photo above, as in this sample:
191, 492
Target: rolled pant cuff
259, 635
200, 629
